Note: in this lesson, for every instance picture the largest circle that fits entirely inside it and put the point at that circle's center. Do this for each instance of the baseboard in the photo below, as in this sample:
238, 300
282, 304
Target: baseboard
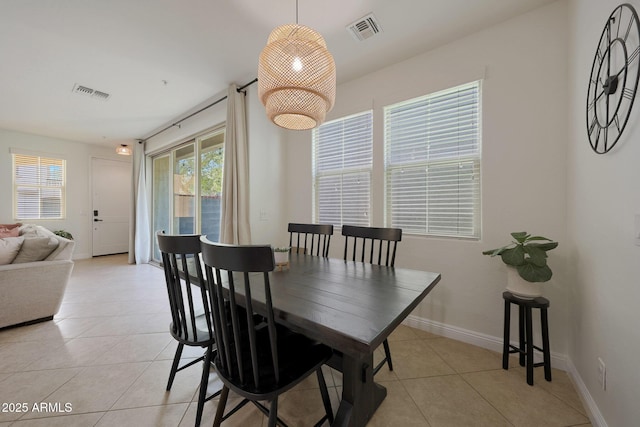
597, 420
558, 360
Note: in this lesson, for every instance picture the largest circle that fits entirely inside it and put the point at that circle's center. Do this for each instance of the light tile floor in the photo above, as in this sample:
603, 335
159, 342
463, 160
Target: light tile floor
107, 354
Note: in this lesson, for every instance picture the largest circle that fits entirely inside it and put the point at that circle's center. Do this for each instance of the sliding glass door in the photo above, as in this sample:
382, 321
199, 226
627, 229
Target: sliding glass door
211, 159
184, 190
161, 199
187, 188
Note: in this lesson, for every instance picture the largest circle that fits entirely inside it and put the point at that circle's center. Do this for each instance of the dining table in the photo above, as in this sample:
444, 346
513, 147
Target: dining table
351, 307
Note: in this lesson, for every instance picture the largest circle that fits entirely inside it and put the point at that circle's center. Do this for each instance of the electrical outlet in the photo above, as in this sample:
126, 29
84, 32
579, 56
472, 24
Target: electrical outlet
602, 374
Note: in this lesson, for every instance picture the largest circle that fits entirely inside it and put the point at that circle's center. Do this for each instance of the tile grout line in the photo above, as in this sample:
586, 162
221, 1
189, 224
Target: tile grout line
484, 398
415, 403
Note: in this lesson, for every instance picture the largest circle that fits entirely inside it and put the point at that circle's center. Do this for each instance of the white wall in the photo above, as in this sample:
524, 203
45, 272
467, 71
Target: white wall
539, 174
265, 161
266, 156
603, 198
78, 202
524, 110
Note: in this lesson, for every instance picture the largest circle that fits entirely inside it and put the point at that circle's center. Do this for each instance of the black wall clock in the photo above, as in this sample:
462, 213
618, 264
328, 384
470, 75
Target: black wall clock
614, 79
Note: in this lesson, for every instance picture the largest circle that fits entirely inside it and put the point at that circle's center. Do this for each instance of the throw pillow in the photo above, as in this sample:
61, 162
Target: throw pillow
17, 224
36, 249
8, 232
32, 230
9, 248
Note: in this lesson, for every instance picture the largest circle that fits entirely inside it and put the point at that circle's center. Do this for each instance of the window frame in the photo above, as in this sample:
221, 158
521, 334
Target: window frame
342, 172
474, 158
38, 158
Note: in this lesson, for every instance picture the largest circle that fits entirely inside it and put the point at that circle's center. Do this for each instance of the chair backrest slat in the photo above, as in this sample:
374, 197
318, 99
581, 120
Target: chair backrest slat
243, 340
253, 346
223, 338
192, 308
186, 287
387, 240
317, 238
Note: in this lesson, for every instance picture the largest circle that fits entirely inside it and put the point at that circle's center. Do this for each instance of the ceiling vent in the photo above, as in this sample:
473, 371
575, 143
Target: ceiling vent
364, 28
87, 91
82, 90
100, 95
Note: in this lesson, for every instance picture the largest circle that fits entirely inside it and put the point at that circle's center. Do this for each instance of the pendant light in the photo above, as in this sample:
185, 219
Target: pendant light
296, 77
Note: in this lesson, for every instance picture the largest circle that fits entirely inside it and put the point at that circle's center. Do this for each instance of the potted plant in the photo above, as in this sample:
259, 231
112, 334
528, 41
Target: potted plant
63, 233
281, 255
527, 258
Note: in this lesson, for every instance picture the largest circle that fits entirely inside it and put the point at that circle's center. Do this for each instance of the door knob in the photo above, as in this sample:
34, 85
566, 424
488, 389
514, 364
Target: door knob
96, 220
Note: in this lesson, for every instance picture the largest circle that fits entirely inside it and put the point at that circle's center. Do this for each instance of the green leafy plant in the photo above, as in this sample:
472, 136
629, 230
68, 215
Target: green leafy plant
528, 254
63, 233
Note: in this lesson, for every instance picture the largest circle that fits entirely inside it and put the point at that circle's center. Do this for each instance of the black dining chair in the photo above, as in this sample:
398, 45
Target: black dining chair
366, 237
312, 239
191, 321
387, 240
256, 358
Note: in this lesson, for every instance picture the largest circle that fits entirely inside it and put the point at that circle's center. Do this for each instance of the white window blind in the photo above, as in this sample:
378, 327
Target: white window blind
432, 163
342, 162
38, 187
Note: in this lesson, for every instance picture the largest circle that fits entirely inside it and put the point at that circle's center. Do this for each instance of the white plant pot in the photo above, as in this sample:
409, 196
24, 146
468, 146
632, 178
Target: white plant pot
520, 287
281, 257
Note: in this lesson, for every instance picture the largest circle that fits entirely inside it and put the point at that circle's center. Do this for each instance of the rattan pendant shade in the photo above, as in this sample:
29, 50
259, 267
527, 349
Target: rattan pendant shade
296, 77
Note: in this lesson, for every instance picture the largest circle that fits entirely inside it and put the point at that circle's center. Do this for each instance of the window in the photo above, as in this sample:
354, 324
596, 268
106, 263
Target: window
342, 162
187, 188
432, 163
38, 187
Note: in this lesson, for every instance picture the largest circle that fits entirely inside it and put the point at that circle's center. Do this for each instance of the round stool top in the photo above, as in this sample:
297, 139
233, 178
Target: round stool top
537, 302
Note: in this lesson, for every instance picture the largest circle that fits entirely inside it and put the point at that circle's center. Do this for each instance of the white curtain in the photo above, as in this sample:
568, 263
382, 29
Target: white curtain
234, 221
140, 239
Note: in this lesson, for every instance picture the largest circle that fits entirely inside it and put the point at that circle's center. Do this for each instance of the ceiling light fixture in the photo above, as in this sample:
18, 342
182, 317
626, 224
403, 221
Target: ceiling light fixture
124, 150
296, 77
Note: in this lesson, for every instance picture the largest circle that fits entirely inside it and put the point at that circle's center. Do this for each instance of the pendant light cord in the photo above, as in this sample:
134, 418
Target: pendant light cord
296, 12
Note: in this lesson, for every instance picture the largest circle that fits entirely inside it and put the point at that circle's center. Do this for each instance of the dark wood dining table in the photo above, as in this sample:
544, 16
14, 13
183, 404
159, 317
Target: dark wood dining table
351, 307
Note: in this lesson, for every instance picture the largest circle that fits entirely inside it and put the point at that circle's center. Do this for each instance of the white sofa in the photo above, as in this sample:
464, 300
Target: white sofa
32, 291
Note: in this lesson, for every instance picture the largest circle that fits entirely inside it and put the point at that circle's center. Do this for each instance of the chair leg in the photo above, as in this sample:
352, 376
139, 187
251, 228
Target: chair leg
521, 329
273, 413
174, 366
507, 335
545, 344
529, 344
204, 381
386, 359
387, 354
222, 403
262, 409
325, 395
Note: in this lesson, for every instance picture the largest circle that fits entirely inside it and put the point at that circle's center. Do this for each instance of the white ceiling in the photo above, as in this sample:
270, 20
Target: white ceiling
130, 48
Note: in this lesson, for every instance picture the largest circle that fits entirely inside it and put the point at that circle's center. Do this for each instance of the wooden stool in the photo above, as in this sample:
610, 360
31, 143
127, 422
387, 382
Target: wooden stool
526, 334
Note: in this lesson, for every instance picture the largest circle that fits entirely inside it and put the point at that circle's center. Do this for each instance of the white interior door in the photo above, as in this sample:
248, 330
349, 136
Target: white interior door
111, 183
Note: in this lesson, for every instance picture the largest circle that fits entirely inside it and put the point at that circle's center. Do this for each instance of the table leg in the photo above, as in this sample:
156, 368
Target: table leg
361, 396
